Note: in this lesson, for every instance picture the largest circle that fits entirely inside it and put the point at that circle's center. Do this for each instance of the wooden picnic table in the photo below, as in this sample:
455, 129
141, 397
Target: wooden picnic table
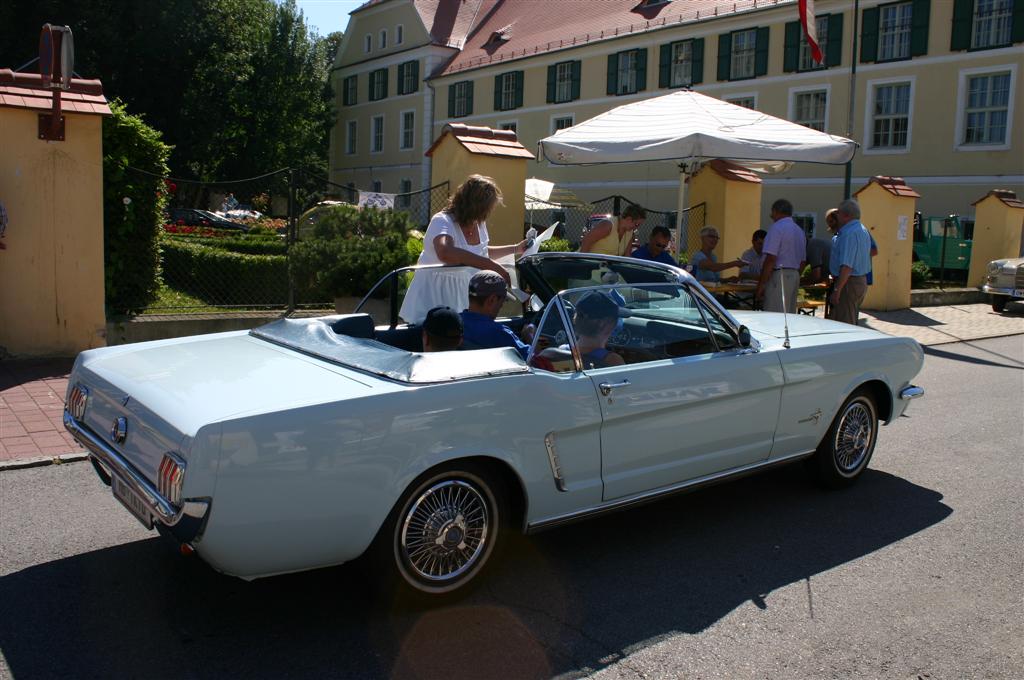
738, 291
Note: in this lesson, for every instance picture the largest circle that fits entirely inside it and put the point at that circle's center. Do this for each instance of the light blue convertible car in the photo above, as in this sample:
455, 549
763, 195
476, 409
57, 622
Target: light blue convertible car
313, 442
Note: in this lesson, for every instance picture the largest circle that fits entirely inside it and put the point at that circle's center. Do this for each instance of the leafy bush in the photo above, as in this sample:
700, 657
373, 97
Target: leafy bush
350, 250
221, 277
133, 205
239, 244
919, 274
556, 245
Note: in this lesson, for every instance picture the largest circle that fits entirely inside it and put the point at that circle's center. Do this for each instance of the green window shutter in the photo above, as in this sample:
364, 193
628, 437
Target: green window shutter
919, 28
451, 101
519, 89
761, 52
963, 16
497, 93
369, 87
400, 85
869, 36
1017, 29
385, 84
469, 98
415, 76
577, 68
613, 73
552, 76
697, 70
665, 65
791, 47
641, 69
724, 55
834, 48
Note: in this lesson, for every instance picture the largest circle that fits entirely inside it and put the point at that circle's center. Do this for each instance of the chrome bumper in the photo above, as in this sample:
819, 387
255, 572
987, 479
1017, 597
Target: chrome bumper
992, 290
911, 392
185, 523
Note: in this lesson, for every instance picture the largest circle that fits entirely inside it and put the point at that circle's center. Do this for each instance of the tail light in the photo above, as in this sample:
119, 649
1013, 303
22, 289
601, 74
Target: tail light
170, 478
77, 400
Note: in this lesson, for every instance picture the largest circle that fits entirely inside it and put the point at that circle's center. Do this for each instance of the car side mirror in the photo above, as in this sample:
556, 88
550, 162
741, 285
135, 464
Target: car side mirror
744, 336
535, 303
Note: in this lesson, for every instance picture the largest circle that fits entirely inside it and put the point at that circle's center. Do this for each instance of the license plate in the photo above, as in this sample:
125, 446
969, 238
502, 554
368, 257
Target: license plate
1018, 292
131, 500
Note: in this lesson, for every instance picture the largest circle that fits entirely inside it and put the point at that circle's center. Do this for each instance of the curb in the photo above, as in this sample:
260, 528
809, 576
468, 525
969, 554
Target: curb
41, 461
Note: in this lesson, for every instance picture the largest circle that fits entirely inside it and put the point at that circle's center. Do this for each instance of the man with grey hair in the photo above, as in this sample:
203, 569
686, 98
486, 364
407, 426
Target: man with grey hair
849, 263
785, 251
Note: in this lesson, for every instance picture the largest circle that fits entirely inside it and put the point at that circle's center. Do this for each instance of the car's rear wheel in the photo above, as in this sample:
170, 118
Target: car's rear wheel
444, 532
999, 303
844, 453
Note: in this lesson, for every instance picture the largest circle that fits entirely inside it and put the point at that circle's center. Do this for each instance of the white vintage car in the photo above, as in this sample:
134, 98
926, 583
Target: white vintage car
311, 442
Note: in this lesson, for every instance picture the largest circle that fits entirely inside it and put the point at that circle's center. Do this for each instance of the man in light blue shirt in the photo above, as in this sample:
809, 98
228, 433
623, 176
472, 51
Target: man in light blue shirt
849, 264
785, 251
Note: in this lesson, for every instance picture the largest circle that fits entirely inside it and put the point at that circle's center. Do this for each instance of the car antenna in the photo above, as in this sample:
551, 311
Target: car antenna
785, 318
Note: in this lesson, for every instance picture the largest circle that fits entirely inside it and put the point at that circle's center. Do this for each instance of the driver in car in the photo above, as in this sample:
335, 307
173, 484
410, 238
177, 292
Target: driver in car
594, 322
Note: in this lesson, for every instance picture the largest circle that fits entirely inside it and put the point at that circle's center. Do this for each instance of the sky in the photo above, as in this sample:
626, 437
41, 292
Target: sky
327, 16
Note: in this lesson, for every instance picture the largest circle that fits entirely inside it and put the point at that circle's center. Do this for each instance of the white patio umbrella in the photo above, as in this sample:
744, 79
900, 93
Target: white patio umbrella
688, 127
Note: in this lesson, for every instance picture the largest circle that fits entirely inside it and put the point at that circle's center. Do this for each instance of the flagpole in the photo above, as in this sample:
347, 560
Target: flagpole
853, 94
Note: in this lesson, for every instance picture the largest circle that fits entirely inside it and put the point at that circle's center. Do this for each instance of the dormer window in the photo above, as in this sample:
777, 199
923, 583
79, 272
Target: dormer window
644, 4
502, 35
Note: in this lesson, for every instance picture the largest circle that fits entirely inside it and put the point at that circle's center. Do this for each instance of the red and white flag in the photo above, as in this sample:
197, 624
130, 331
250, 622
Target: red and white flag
810, 28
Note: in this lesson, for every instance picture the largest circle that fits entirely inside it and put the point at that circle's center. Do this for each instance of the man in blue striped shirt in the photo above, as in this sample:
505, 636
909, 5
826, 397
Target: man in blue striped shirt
850, 262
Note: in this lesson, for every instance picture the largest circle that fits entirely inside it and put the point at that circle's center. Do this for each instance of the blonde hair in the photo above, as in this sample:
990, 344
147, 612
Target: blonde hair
473, 200
710, 231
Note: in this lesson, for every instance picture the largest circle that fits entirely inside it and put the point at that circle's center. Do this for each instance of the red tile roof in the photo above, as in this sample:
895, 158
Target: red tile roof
447, 21
894, 185
536, 27
19, 90
1005, 195
484, 140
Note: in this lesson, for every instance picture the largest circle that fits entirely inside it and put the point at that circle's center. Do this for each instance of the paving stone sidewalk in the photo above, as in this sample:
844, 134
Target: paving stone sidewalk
32, 390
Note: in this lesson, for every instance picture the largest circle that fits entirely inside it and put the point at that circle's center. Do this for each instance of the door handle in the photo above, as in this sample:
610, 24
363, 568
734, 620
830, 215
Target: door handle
606, 388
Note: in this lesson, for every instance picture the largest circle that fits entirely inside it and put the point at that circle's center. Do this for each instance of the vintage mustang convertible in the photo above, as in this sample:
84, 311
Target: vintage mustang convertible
312, 442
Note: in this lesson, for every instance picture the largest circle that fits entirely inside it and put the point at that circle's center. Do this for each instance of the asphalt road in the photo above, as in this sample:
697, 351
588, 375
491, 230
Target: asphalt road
914, 572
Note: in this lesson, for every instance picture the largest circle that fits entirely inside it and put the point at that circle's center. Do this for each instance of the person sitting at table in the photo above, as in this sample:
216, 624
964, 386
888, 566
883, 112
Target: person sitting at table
706, 267
594, 322
656, 248
753, 256
607, 239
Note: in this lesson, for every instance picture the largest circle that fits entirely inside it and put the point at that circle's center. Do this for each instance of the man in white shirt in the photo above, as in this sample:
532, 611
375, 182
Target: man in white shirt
785, 251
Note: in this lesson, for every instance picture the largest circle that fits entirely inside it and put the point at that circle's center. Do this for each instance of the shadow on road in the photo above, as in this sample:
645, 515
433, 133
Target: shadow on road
567, 601
959, 356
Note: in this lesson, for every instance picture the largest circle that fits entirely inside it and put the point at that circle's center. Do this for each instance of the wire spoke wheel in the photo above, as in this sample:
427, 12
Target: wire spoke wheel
445, 533
854, 436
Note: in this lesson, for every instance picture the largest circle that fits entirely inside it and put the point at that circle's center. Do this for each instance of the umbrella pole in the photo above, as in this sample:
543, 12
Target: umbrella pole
683, 203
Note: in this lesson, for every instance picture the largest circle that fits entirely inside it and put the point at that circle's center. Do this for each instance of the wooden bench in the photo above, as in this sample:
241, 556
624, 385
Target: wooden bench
810, 307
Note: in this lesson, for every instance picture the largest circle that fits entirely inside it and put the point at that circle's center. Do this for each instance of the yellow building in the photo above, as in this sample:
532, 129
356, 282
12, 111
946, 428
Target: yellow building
936, 87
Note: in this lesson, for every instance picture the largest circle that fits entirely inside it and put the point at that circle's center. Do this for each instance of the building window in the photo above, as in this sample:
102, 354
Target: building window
508, 125
681, 74
378, 84
809, 109
377, 186
399, 34
627, 72
744, 48
987, 108
746, 101
349, 92
408, 77
508, 90
807, 62
894, 27
460, 99
560, 123
563, 82
350, 137
367, 43
403, 199
377, 134
408, 129
890, 121
383, 42
626, 76
993, 21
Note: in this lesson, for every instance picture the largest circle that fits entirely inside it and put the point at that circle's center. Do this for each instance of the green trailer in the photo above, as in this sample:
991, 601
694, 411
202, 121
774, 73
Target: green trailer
943, 243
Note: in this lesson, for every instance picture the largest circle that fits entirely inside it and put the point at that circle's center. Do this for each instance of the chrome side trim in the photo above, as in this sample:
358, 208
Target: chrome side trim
993, 290
556, 467
911, 392
651, 496
193, 510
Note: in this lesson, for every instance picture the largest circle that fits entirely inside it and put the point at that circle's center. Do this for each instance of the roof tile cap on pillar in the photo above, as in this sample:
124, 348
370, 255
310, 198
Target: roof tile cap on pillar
730, 171
894, 185
1005, 195
483, 140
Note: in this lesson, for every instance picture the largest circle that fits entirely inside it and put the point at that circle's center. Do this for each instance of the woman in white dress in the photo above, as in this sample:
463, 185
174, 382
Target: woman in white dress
457, 236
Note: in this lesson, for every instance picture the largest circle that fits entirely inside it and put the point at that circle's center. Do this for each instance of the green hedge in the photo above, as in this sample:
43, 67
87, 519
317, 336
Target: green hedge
221, 277
263, 245
133, 205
